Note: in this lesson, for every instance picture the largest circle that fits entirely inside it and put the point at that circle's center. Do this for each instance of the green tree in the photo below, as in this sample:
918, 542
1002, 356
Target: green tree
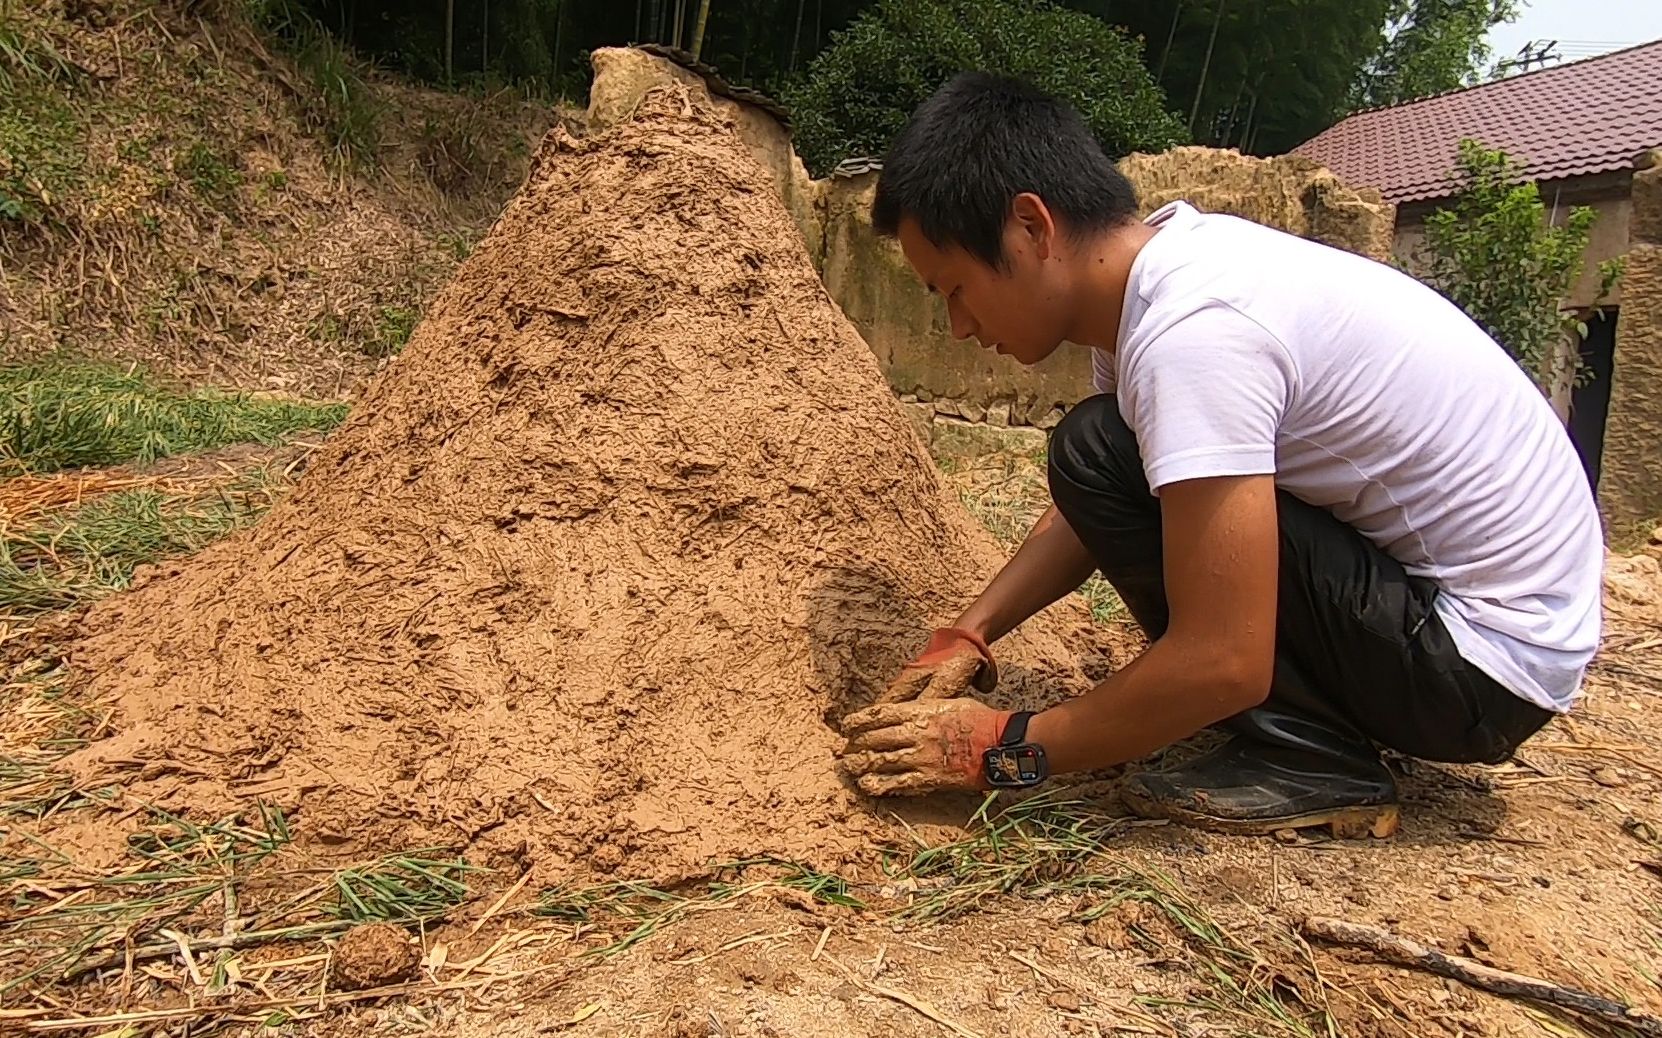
860, 90
1430, 46
1258, 75
762, 43
1493, 253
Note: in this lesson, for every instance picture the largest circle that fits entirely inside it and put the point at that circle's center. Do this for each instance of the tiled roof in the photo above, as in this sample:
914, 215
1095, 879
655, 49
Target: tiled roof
1583, 117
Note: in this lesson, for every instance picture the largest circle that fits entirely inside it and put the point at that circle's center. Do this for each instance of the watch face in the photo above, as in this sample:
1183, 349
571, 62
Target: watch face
1014, 766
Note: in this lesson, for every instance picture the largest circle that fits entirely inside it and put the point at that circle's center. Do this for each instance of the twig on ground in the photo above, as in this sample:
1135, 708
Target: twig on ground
240, 1008
1403, 952
166, 949
496, 906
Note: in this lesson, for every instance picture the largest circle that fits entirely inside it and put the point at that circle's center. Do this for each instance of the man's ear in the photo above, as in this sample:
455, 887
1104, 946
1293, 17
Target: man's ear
1034, 222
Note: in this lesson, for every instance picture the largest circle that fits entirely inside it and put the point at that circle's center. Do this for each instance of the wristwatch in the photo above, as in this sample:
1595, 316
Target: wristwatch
1014, 763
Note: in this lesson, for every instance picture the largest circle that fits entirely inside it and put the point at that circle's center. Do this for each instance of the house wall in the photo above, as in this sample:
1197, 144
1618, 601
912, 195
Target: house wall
1607, 195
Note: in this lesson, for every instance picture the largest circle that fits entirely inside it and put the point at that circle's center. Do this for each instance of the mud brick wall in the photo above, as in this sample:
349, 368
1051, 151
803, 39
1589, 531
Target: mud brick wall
1630, 485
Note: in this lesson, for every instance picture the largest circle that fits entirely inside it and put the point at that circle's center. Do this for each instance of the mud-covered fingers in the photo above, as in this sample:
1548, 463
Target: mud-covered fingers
880, 763
953, 677
885, 715
900, 784
910, 684
883, 740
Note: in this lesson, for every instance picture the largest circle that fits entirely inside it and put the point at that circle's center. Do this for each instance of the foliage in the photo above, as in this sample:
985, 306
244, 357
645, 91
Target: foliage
42, 158
61, 415
392, 330
1493, 253
1431, 46
546, 43
25, 57
404, 888
341, 107
1261, 75
213, 175
859, 92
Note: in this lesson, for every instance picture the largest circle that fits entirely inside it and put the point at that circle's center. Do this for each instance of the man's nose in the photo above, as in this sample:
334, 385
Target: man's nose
962, 326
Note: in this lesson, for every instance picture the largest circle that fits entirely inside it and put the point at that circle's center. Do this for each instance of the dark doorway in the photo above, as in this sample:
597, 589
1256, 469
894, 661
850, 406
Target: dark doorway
1590, 401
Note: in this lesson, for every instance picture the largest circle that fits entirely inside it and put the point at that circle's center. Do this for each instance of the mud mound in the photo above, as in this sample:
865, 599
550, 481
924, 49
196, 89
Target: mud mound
594, 565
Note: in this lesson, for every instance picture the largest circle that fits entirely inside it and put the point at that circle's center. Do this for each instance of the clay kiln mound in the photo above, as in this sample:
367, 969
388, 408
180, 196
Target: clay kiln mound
591, 567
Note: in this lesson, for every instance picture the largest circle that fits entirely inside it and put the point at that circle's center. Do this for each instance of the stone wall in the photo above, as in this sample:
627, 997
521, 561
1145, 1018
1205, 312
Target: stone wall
907, 328
1287, 192
1630, 486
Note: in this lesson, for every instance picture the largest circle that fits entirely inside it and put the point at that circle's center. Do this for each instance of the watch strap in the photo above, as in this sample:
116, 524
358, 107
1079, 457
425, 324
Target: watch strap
1015, 729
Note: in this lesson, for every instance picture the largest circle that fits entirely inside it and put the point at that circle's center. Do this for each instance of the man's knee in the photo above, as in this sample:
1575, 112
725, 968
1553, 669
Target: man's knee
1093, 450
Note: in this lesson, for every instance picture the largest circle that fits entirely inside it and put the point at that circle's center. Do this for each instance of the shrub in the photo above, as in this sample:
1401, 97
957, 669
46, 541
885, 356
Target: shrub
1492, 252
860, 90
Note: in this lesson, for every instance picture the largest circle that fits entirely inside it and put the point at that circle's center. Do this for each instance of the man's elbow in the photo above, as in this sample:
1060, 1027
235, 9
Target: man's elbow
1243, 679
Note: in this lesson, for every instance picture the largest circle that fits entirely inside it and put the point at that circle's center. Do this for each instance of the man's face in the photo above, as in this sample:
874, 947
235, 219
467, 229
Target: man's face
1016, 311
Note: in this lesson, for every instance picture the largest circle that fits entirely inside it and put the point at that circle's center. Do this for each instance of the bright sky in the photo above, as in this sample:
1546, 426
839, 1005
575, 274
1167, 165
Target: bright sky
1582, 28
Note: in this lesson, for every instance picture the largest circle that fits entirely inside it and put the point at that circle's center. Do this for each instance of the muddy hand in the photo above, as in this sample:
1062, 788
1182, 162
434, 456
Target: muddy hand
953, 662
908, 749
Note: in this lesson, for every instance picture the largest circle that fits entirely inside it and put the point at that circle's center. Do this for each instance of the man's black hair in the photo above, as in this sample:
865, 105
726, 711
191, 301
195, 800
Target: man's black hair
977, 143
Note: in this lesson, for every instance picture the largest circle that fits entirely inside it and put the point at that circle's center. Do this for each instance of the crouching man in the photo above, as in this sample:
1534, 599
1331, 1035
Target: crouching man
1342, 514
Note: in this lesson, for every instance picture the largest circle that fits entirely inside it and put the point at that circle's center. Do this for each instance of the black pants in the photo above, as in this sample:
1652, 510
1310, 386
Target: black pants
1359, 650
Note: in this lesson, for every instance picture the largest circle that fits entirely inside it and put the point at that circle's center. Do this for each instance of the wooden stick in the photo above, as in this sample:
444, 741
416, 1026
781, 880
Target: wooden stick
243, 1008
167, 949
920, 1007
496, 906
1403, 952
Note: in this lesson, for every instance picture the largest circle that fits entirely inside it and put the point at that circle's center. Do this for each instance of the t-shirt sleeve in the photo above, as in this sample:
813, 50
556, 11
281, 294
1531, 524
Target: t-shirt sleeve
1207, 396
1104, 379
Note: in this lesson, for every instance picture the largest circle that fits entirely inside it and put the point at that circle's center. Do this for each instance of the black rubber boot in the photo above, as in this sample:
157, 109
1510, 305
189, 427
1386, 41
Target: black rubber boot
1292, 763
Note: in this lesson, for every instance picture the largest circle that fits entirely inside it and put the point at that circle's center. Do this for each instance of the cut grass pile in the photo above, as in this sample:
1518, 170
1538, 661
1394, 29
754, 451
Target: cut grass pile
66, 415
68, 539
640, 910
68, 557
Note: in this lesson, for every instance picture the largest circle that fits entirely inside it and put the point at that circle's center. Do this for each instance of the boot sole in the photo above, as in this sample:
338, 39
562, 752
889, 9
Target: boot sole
1347, 823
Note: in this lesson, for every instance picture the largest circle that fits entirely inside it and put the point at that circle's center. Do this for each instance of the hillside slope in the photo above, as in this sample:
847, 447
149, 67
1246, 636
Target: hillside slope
182, 188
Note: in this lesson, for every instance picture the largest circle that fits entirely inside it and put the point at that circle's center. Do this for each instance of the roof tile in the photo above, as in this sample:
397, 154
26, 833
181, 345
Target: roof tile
1583, 117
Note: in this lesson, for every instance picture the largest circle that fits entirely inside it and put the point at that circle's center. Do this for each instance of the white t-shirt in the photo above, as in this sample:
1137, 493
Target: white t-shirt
1248, 351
